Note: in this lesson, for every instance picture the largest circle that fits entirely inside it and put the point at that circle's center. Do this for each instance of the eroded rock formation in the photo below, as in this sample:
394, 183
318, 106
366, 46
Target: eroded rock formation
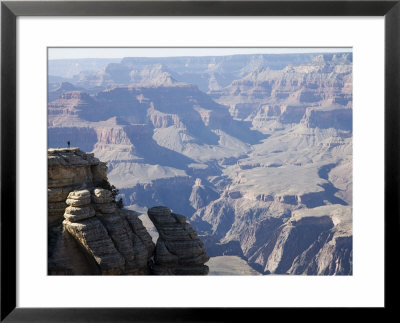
68, 170
178, 250
89, 235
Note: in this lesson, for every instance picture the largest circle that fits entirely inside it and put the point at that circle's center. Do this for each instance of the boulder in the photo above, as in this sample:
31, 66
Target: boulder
78, 198
101, 195
74, 214
179, 251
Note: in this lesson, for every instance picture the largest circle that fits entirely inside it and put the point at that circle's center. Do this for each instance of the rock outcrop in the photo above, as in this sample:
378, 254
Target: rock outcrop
178, 250
90, 235
338, 118
116, 240
118, 243
70, 169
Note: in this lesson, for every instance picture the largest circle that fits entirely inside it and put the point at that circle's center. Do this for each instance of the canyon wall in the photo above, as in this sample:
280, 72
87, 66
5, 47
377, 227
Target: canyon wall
255, 150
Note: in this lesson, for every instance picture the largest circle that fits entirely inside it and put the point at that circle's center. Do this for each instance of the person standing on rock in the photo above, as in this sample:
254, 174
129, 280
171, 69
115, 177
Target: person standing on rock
68, 143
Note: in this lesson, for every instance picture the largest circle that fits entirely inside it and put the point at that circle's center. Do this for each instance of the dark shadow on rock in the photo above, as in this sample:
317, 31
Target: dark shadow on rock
153, 153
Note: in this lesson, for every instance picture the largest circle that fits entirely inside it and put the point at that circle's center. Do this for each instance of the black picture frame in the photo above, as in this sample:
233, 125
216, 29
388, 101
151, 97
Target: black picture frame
10, 10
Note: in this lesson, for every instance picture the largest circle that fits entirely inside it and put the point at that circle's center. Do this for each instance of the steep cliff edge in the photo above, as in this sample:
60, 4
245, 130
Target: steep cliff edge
89, 235
312, 242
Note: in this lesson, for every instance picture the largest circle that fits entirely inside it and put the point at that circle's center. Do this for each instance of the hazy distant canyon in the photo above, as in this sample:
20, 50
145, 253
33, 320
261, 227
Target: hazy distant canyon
256, 150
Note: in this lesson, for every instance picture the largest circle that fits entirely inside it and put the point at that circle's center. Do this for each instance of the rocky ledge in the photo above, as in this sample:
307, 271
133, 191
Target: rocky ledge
90, 235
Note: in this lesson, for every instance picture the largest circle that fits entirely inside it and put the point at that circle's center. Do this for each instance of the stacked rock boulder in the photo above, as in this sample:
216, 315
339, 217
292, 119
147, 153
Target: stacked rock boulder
90, 233
114, 240
179, 251
103, 201
79, 206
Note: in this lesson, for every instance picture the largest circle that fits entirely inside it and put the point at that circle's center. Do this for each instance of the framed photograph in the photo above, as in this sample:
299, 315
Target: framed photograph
187, 160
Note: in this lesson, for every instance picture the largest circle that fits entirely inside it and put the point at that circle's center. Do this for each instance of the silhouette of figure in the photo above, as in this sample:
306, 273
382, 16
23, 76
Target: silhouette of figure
68, 143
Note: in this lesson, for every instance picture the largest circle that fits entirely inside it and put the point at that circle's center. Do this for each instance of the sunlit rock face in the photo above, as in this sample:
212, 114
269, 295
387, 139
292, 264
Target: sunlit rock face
69, 169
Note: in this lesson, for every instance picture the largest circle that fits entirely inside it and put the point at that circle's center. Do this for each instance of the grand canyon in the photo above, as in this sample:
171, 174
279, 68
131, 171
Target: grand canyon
248, 157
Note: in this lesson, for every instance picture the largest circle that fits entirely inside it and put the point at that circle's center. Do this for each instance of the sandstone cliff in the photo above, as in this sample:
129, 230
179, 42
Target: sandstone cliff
89, 235
285, 94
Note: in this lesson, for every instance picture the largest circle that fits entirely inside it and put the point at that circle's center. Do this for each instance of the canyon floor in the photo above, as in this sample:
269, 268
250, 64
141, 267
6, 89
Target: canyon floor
230, 265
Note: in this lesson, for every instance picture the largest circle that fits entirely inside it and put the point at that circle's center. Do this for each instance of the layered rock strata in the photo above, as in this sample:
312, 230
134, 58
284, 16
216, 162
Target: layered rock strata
70, 169
88, 235
103, 201
117, 243
98, 238
79, 206
94, 237
178, 250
